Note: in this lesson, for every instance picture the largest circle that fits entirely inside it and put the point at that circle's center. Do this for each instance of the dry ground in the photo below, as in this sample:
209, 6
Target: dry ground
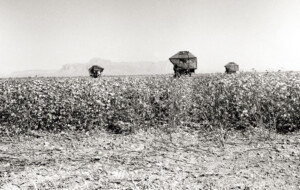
150, 160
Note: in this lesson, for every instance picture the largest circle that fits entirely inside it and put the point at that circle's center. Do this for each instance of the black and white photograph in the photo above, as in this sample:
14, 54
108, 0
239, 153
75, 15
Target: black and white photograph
149, 94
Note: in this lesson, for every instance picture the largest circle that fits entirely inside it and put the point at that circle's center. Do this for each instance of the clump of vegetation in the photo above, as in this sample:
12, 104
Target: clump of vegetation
123, 104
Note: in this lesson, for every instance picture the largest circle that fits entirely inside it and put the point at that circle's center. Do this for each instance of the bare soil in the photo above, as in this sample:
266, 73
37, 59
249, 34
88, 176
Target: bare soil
150, 160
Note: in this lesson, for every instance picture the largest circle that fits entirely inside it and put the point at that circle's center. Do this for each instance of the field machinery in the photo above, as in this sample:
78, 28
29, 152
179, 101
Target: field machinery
184, 63
231, 67
96, 71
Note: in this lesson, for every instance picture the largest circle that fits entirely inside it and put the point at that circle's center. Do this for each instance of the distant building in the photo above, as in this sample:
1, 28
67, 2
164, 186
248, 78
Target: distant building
231, 67
96, 71
184, 63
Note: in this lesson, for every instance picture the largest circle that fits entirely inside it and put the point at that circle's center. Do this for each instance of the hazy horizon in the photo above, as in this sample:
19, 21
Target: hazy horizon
44, 35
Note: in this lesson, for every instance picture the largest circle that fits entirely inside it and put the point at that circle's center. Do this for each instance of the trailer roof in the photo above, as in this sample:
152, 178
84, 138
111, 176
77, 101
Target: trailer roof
183, 55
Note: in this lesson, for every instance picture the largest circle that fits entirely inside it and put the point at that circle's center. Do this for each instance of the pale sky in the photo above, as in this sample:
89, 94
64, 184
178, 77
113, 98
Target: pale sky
45, 34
